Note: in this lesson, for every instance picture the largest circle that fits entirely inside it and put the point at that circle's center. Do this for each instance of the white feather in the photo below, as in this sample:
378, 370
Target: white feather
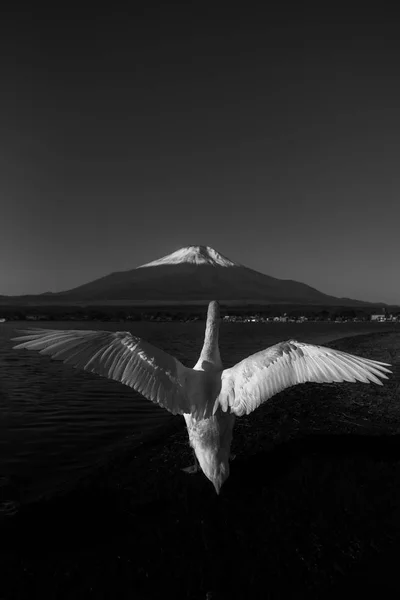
120, 356
207, 396
287, 364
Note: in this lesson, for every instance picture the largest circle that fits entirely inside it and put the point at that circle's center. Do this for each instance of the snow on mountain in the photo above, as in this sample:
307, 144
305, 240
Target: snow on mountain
198, 255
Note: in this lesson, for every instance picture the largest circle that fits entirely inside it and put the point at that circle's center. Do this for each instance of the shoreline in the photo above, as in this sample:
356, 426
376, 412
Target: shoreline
308, 463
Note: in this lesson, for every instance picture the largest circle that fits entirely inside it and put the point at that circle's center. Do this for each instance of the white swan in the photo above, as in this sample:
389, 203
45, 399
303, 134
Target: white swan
208, 396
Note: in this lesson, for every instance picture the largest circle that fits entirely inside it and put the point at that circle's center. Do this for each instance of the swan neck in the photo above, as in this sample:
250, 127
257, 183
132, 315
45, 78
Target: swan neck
210, 351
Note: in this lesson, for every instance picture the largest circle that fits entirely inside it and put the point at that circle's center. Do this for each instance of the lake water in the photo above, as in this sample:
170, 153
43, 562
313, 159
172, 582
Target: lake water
56, 422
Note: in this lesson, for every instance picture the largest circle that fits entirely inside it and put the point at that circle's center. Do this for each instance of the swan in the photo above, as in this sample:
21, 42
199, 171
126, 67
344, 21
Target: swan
208, 396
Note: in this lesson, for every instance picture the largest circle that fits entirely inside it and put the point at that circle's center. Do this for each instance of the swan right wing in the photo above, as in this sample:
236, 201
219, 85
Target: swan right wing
259, 377
120, 356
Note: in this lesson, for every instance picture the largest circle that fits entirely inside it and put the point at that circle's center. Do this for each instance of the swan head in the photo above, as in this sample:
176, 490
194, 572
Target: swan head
213, 312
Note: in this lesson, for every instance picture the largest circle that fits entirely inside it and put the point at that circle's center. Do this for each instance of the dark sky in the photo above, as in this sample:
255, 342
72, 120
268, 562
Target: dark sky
274, 138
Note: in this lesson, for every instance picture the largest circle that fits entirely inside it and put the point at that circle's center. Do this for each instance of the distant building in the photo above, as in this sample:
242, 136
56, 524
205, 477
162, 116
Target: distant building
227, 318
378, 317
37, 317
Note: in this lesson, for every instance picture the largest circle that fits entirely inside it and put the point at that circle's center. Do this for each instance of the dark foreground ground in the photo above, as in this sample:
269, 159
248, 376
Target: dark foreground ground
311, 509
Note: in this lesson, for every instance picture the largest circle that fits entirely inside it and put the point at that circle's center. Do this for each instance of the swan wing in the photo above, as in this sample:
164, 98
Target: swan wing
259, 377
122, 357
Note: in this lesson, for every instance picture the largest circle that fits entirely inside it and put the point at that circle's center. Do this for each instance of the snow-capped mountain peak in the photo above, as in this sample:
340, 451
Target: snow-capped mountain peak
198, 255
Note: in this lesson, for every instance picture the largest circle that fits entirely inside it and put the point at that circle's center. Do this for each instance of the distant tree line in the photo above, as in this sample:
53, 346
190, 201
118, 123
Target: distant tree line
182, 313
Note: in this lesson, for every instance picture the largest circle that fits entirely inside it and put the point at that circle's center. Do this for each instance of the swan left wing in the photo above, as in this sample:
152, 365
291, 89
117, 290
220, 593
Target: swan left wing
122, 357
259, 377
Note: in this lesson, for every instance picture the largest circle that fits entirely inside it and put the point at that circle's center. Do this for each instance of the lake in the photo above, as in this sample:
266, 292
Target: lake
56, 423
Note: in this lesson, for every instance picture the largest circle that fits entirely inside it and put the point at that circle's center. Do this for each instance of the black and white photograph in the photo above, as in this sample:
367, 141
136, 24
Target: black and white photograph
199, 301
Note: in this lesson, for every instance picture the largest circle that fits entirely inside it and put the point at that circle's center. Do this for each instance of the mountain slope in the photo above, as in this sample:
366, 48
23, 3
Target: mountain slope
197, 273
193, 274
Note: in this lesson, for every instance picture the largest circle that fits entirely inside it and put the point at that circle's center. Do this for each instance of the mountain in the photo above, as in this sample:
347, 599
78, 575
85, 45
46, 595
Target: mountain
191, 274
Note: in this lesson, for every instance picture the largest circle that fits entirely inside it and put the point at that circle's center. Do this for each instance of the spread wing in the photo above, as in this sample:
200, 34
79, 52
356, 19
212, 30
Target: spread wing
260, 376
130, 360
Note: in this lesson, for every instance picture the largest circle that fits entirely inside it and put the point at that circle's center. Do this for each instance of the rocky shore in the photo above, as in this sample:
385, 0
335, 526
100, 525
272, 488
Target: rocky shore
311, 508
